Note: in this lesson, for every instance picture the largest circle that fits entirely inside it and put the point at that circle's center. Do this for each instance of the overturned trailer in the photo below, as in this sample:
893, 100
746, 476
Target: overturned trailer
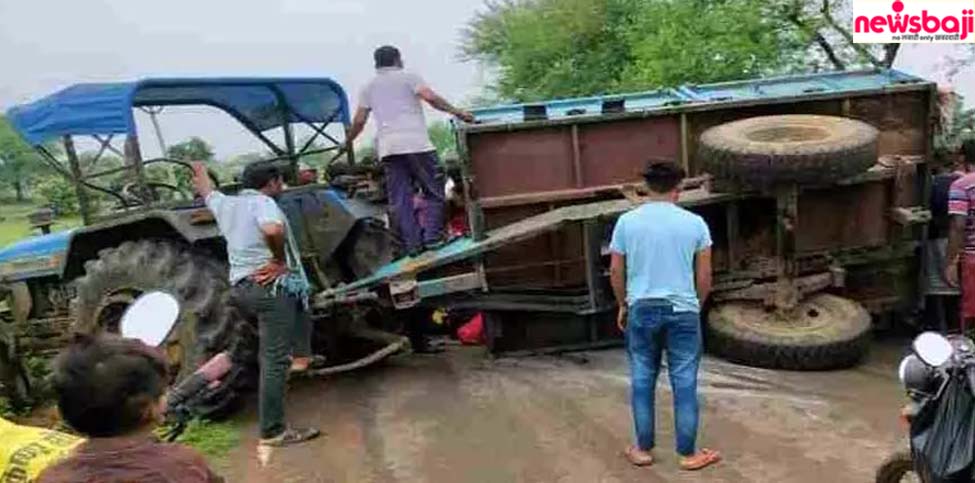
817, 220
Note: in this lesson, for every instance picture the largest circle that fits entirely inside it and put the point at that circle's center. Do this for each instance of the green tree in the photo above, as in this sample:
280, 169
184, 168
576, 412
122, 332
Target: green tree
552, 48
442, 137
59, 194
191, 150
19, 163
543, 49
672, 43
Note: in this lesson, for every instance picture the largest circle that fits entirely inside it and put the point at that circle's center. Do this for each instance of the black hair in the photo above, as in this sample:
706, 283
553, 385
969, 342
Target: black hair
663, 176
387, 56
968, 150
257, 175
105, 384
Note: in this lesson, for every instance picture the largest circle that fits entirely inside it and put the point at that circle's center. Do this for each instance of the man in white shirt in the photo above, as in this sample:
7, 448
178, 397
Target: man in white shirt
408, 157
267, 281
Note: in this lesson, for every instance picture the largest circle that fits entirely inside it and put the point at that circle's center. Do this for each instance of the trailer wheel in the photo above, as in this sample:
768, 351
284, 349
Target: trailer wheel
805, 149
824, 332
119, 275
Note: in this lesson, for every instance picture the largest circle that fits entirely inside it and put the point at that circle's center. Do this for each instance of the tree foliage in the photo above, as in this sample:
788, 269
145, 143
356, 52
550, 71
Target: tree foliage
191, 150
443, 138
19, 163
543, 49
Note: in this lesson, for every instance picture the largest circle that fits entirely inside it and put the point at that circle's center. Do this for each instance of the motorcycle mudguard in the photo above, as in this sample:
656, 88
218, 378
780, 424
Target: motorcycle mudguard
943, 435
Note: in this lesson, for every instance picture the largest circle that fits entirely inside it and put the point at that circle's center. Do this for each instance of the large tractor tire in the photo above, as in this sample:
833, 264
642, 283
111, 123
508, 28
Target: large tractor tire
119, 275
368, 247
824, 332
805, 149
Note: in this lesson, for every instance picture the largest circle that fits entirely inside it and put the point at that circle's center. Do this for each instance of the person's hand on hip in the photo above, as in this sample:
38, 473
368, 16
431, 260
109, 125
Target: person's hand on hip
270, 272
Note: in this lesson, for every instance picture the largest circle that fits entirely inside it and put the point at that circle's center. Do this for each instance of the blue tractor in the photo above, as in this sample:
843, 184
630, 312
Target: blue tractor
144, 233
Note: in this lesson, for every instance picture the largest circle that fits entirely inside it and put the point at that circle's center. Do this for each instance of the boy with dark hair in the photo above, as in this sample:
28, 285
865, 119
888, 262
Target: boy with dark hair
111, 390
661, 275
405, 150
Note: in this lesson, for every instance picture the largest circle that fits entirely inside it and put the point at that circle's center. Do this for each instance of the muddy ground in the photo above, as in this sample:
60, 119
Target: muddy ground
461, 417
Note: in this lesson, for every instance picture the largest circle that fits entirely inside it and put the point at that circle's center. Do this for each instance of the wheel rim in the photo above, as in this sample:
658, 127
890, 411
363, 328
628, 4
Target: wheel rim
808, 317
796, 133
108, 316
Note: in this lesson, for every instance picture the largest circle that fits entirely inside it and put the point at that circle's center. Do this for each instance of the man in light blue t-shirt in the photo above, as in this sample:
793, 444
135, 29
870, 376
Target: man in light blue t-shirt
661, 274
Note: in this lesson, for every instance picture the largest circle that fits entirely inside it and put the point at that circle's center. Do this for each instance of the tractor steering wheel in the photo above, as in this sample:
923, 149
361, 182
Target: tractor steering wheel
130, 190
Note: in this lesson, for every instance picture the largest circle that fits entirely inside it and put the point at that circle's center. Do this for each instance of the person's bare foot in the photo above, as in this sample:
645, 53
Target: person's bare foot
700, 460
303, 364
300, 364
637, 456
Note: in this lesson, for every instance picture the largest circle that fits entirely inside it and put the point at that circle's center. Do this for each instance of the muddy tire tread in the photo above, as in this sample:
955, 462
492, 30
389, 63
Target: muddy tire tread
726, 154
748, 348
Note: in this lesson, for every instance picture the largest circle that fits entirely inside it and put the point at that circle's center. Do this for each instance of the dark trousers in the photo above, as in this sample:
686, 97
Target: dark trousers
942, 313
301, 336
277, 321
405, 172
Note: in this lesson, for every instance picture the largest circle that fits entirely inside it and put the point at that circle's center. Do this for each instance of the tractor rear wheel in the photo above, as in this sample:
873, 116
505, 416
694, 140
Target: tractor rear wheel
824, 332
119, 275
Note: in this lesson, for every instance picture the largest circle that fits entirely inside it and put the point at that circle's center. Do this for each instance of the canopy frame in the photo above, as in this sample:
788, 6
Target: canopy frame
327, 105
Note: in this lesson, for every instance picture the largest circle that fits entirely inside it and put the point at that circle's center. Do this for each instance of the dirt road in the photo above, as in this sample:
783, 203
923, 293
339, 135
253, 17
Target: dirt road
459, 417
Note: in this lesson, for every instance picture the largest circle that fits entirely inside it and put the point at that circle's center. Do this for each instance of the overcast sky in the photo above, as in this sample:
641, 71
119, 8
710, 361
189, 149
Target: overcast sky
49, 44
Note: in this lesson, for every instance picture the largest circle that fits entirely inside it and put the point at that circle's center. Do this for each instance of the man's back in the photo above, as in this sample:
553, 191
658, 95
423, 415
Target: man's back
127, 459
659, 240
400, 122
240, 219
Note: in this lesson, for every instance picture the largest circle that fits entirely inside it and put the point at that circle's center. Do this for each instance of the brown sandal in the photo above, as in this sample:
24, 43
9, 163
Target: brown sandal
637, 456
700, 460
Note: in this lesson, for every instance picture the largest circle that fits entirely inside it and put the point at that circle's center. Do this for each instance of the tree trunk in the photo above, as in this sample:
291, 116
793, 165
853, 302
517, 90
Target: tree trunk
890, 54
19, 190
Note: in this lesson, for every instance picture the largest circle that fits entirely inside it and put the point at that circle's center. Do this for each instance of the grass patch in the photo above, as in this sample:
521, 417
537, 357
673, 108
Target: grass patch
214, 439
14, 226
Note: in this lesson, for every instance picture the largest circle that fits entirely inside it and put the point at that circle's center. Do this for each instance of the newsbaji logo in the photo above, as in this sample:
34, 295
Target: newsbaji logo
913, 21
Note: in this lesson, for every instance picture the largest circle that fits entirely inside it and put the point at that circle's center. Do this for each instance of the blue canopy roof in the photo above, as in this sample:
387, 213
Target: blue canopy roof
106, 108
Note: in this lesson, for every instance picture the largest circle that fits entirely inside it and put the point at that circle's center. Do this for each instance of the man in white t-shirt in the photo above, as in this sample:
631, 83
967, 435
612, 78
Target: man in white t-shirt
407, 155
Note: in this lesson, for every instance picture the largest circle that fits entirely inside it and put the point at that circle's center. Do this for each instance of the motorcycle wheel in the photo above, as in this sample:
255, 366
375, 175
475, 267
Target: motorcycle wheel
898, 468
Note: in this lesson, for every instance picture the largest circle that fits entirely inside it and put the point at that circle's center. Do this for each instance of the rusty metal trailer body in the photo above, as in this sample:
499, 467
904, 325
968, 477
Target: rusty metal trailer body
545, 181
527, 159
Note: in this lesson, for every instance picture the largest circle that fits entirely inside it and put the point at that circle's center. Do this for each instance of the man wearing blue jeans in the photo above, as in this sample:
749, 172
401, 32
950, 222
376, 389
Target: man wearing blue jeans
661, 274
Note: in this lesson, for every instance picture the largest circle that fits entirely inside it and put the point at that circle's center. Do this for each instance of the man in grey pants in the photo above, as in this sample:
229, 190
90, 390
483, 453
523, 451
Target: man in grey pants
267, 281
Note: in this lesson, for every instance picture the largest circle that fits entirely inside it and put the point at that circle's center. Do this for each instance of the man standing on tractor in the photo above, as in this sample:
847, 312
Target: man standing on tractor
661, 275
408, 157
268, 283
960, 256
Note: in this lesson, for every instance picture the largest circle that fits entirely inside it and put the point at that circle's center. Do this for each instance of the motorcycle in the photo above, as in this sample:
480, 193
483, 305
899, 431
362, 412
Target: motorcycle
939, 377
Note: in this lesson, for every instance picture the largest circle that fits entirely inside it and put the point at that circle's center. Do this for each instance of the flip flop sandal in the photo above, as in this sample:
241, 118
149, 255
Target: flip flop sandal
702, 459
637, 460
291, 436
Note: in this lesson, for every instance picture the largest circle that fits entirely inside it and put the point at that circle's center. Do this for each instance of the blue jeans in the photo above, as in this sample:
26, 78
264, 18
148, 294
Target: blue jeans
652, 328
